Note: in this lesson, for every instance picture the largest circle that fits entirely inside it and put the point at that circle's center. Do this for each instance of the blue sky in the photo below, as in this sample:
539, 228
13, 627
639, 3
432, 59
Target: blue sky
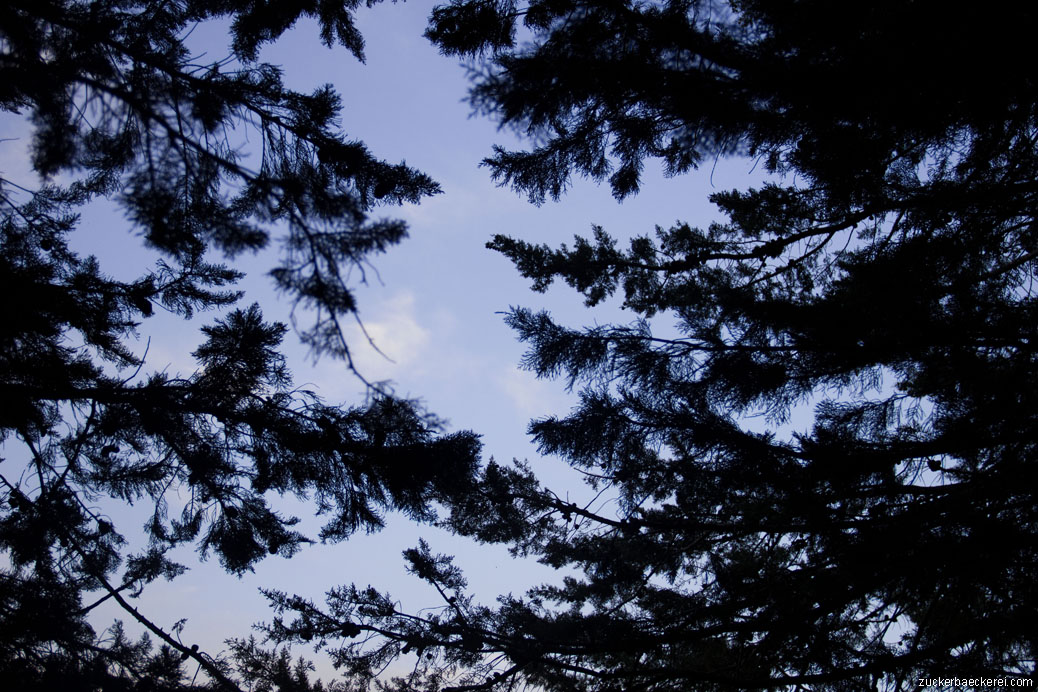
434, 308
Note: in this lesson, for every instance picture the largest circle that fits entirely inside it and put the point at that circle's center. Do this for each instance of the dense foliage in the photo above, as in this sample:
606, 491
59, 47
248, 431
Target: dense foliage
207, 160
884, 281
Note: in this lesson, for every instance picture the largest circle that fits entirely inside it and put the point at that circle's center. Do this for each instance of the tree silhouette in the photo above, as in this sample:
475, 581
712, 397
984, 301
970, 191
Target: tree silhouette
120, 109
884, 280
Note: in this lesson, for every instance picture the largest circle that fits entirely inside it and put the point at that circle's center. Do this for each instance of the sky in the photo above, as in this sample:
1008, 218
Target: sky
434, 308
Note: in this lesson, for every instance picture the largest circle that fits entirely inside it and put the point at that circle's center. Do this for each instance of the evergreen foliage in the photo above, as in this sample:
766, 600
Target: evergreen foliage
120, 109
884, 281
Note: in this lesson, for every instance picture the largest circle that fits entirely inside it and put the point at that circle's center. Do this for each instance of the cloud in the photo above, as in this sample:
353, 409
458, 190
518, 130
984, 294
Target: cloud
400, 347
532, 397
395, 332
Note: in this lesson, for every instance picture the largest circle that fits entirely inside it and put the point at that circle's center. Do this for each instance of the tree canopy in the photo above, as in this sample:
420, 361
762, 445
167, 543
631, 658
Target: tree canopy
882, 280
811, 449
208, 159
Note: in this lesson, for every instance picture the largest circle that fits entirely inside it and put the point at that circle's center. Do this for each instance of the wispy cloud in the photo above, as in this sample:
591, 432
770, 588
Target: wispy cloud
530, 396
395, 332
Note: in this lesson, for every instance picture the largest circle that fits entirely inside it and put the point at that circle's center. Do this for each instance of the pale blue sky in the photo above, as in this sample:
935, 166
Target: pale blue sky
433, 313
